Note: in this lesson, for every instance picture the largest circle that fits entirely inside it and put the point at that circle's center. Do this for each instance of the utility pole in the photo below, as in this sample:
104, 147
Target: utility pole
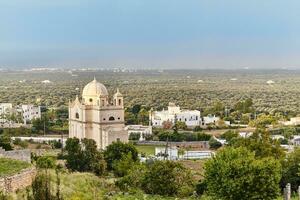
44, 127
166, 149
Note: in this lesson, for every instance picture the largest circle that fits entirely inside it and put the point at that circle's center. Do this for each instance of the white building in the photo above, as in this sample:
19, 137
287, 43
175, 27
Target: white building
139, 129
294, 121
5, 108
98, 117
191, 118
210, 119
30, 112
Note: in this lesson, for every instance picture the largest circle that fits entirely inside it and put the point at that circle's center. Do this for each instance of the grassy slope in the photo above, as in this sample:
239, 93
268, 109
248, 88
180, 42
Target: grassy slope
9, 166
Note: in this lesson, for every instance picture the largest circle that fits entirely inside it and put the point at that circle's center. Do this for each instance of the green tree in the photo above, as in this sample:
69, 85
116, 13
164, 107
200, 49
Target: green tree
122, 166
143, 117
181, 125
235, 174
229, 135
5, 142
45, 162
214, 144
290, 170
74, 157
84, 156
168, 178
116, 150
261, 144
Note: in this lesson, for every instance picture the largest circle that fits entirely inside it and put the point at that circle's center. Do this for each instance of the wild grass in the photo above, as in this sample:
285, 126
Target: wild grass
10, 166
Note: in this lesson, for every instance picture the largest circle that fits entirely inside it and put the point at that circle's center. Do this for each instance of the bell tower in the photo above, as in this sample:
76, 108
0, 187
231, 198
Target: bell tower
118, 99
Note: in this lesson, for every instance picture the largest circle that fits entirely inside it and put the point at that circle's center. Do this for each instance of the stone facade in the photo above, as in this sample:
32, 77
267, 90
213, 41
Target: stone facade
96, 116
17, 181
23, 155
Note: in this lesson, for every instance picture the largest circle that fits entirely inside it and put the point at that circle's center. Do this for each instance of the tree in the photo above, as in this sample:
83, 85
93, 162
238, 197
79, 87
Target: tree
263, 120
167, 178
143, 116
181, 125
167, 124
229, 135
261, 144
235, 174
244, 106
84, 156
5, 142
74, 157
122, 166
116, 150
214, 144
93, 159
45, 162
290, 170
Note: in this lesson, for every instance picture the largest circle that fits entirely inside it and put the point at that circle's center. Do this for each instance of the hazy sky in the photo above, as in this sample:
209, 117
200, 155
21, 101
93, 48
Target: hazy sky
150, 33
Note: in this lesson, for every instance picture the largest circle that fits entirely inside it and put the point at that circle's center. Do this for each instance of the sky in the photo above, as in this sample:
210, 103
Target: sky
150, 33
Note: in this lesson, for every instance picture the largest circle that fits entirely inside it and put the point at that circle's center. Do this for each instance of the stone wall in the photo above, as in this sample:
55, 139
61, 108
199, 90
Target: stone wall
18, 181
23, 155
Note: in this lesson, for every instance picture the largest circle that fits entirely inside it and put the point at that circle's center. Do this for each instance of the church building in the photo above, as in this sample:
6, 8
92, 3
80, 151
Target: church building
96, 116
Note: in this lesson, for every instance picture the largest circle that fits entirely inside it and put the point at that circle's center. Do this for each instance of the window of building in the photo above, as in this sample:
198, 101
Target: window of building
118, 139
111, 118
119, 118
120, 101
91, 100
104, 119
102, 102
77, 115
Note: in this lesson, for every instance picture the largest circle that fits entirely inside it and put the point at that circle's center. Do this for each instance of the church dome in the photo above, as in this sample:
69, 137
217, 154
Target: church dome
94, 88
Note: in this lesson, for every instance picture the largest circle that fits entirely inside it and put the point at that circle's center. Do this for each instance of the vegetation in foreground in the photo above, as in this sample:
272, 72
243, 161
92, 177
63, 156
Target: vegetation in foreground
10, 166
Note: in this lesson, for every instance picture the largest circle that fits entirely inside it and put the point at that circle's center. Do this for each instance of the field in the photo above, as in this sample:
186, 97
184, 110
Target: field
146, 149
9, 166
194, 89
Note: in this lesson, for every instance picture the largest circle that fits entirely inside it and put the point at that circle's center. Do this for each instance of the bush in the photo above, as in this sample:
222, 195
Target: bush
85, 157
116, 150
133, 179
201, 187
5, 142
167, 178
214, 144
134, 136
235, 174
122, 166
45, 162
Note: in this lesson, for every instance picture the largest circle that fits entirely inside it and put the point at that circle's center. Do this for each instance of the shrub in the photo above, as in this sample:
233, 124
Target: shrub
167, 178
116, 150
235, 174
84, 156
214, 144
122, 166
45, 162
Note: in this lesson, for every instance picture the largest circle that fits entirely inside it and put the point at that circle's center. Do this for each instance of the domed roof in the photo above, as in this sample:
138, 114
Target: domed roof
94, 88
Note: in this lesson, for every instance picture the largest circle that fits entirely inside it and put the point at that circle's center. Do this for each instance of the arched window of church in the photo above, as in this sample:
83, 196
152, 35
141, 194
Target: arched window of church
111, 119
120, 101
102, 102
91, 100
77, 115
